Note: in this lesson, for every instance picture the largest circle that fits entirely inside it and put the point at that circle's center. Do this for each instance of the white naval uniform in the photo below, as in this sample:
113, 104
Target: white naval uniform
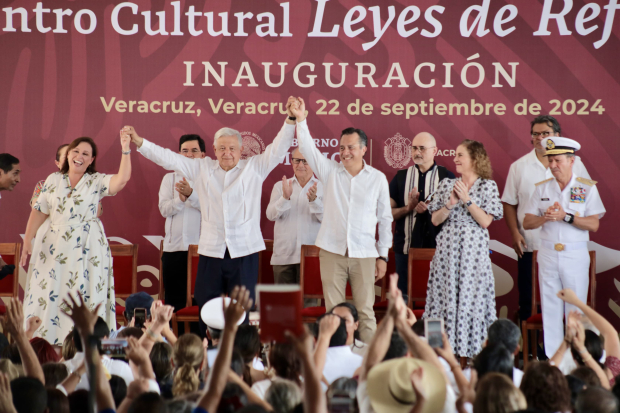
568, 268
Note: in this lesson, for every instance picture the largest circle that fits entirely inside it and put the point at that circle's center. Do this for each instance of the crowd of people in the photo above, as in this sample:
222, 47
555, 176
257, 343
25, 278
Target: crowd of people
345, 361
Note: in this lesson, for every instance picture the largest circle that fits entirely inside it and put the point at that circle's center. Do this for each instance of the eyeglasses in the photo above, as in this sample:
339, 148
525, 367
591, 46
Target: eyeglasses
421, 148
297, 160
543, 134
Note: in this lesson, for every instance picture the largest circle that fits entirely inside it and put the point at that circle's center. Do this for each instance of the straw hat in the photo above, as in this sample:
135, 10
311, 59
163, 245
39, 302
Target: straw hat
390, 389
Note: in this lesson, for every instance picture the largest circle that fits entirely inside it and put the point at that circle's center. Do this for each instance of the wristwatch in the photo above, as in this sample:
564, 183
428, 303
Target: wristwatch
468, 203
569, 218
293, 118
383, 258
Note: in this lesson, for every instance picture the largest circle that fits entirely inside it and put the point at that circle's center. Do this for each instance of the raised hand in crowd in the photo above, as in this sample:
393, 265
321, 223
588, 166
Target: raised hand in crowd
287, 188
139, 360
125, 141
312, 192
417, 380
160, 320
313, 395
579, 343
327, 328
85, 321
6, 397
239, 304
183, 188
14, 325
34, 323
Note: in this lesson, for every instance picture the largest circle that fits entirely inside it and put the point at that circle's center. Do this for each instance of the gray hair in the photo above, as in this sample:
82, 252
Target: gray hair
505, 332
228, 132
283, 395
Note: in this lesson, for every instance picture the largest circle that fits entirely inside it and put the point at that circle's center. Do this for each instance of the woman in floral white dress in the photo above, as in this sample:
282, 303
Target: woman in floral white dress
461, 287
73, 254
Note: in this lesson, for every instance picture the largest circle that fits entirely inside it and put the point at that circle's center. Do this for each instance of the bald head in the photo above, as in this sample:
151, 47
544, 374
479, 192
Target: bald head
424, 139
423, 150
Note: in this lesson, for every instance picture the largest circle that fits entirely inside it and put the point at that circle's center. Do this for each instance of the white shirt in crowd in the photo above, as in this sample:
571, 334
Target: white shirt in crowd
340, 361
229, 201
355, 204
297, 220
182, 218
523, 176
359, 347
547, 193
114, 367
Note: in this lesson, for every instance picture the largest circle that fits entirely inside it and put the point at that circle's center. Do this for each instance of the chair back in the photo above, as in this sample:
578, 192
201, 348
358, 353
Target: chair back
9, 286
265, 269
192, 271
419, 267
125, 268
310, 272
591, 298
162, 292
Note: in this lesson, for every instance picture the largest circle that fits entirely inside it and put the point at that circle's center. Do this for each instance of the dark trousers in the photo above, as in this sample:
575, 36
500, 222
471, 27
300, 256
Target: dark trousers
174, 266
402, 269
524, 281
217, 276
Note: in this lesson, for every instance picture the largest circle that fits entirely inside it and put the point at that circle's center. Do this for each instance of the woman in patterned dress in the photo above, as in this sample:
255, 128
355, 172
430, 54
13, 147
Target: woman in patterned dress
73, 254
461, 287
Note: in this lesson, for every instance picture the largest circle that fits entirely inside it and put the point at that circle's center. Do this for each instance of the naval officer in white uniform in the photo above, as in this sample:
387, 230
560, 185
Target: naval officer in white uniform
566, 208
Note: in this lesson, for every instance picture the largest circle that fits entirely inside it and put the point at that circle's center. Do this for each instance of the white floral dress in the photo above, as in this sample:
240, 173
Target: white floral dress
461, 286
73, 255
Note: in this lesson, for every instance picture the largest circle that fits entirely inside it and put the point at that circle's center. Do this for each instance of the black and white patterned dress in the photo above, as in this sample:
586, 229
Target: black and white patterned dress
461, 287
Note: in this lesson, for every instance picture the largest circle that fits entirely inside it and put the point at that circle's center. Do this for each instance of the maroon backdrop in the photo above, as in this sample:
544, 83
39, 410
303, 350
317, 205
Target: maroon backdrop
56, 86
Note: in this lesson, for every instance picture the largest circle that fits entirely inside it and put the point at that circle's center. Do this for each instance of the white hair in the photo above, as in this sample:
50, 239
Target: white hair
228, 132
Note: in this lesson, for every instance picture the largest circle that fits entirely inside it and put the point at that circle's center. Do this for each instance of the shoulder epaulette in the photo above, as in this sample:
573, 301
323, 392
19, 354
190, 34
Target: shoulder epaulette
585, 181
542, 182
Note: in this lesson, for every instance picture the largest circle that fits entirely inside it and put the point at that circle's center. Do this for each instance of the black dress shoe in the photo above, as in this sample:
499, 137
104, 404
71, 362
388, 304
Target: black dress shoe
6, 270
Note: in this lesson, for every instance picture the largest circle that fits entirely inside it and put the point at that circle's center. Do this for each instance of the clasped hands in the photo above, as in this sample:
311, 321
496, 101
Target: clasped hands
555, 213
414, 203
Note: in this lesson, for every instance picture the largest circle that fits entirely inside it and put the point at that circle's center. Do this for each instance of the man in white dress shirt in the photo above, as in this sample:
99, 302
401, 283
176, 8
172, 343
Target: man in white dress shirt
566, 208
296, 207
229, 190
179, 204
356, 199
9, 178
524, 173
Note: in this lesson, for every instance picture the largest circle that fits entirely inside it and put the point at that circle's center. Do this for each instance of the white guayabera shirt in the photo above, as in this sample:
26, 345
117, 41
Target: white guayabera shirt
229, 201
356, 204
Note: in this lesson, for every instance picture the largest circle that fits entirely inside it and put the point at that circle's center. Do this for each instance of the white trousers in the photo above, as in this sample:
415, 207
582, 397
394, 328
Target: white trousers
556, 271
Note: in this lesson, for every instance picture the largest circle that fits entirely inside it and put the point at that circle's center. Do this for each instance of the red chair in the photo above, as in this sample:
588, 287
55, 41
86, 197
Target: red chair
9, 286
191, 313
312, 286
125, 270
535, 320
265, 269
419, 265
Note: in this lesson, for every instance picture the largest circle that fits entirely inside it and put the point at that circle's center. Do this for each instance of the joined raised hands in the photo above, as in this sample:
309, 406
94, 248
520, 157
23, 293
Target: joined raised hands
125, 140
129, 130
298, 108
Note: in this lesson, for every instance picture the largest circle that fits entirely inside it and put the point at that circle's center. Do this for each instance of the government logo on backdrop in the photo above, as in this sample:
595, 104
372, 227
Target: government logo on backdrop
252, 145
397, 151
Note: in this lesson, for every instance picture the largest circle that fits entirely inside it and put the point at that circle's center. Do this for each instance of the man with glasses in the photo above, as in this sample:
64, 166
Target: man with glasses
179, 204
296, 207
410, 192
357, 205
523, 176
